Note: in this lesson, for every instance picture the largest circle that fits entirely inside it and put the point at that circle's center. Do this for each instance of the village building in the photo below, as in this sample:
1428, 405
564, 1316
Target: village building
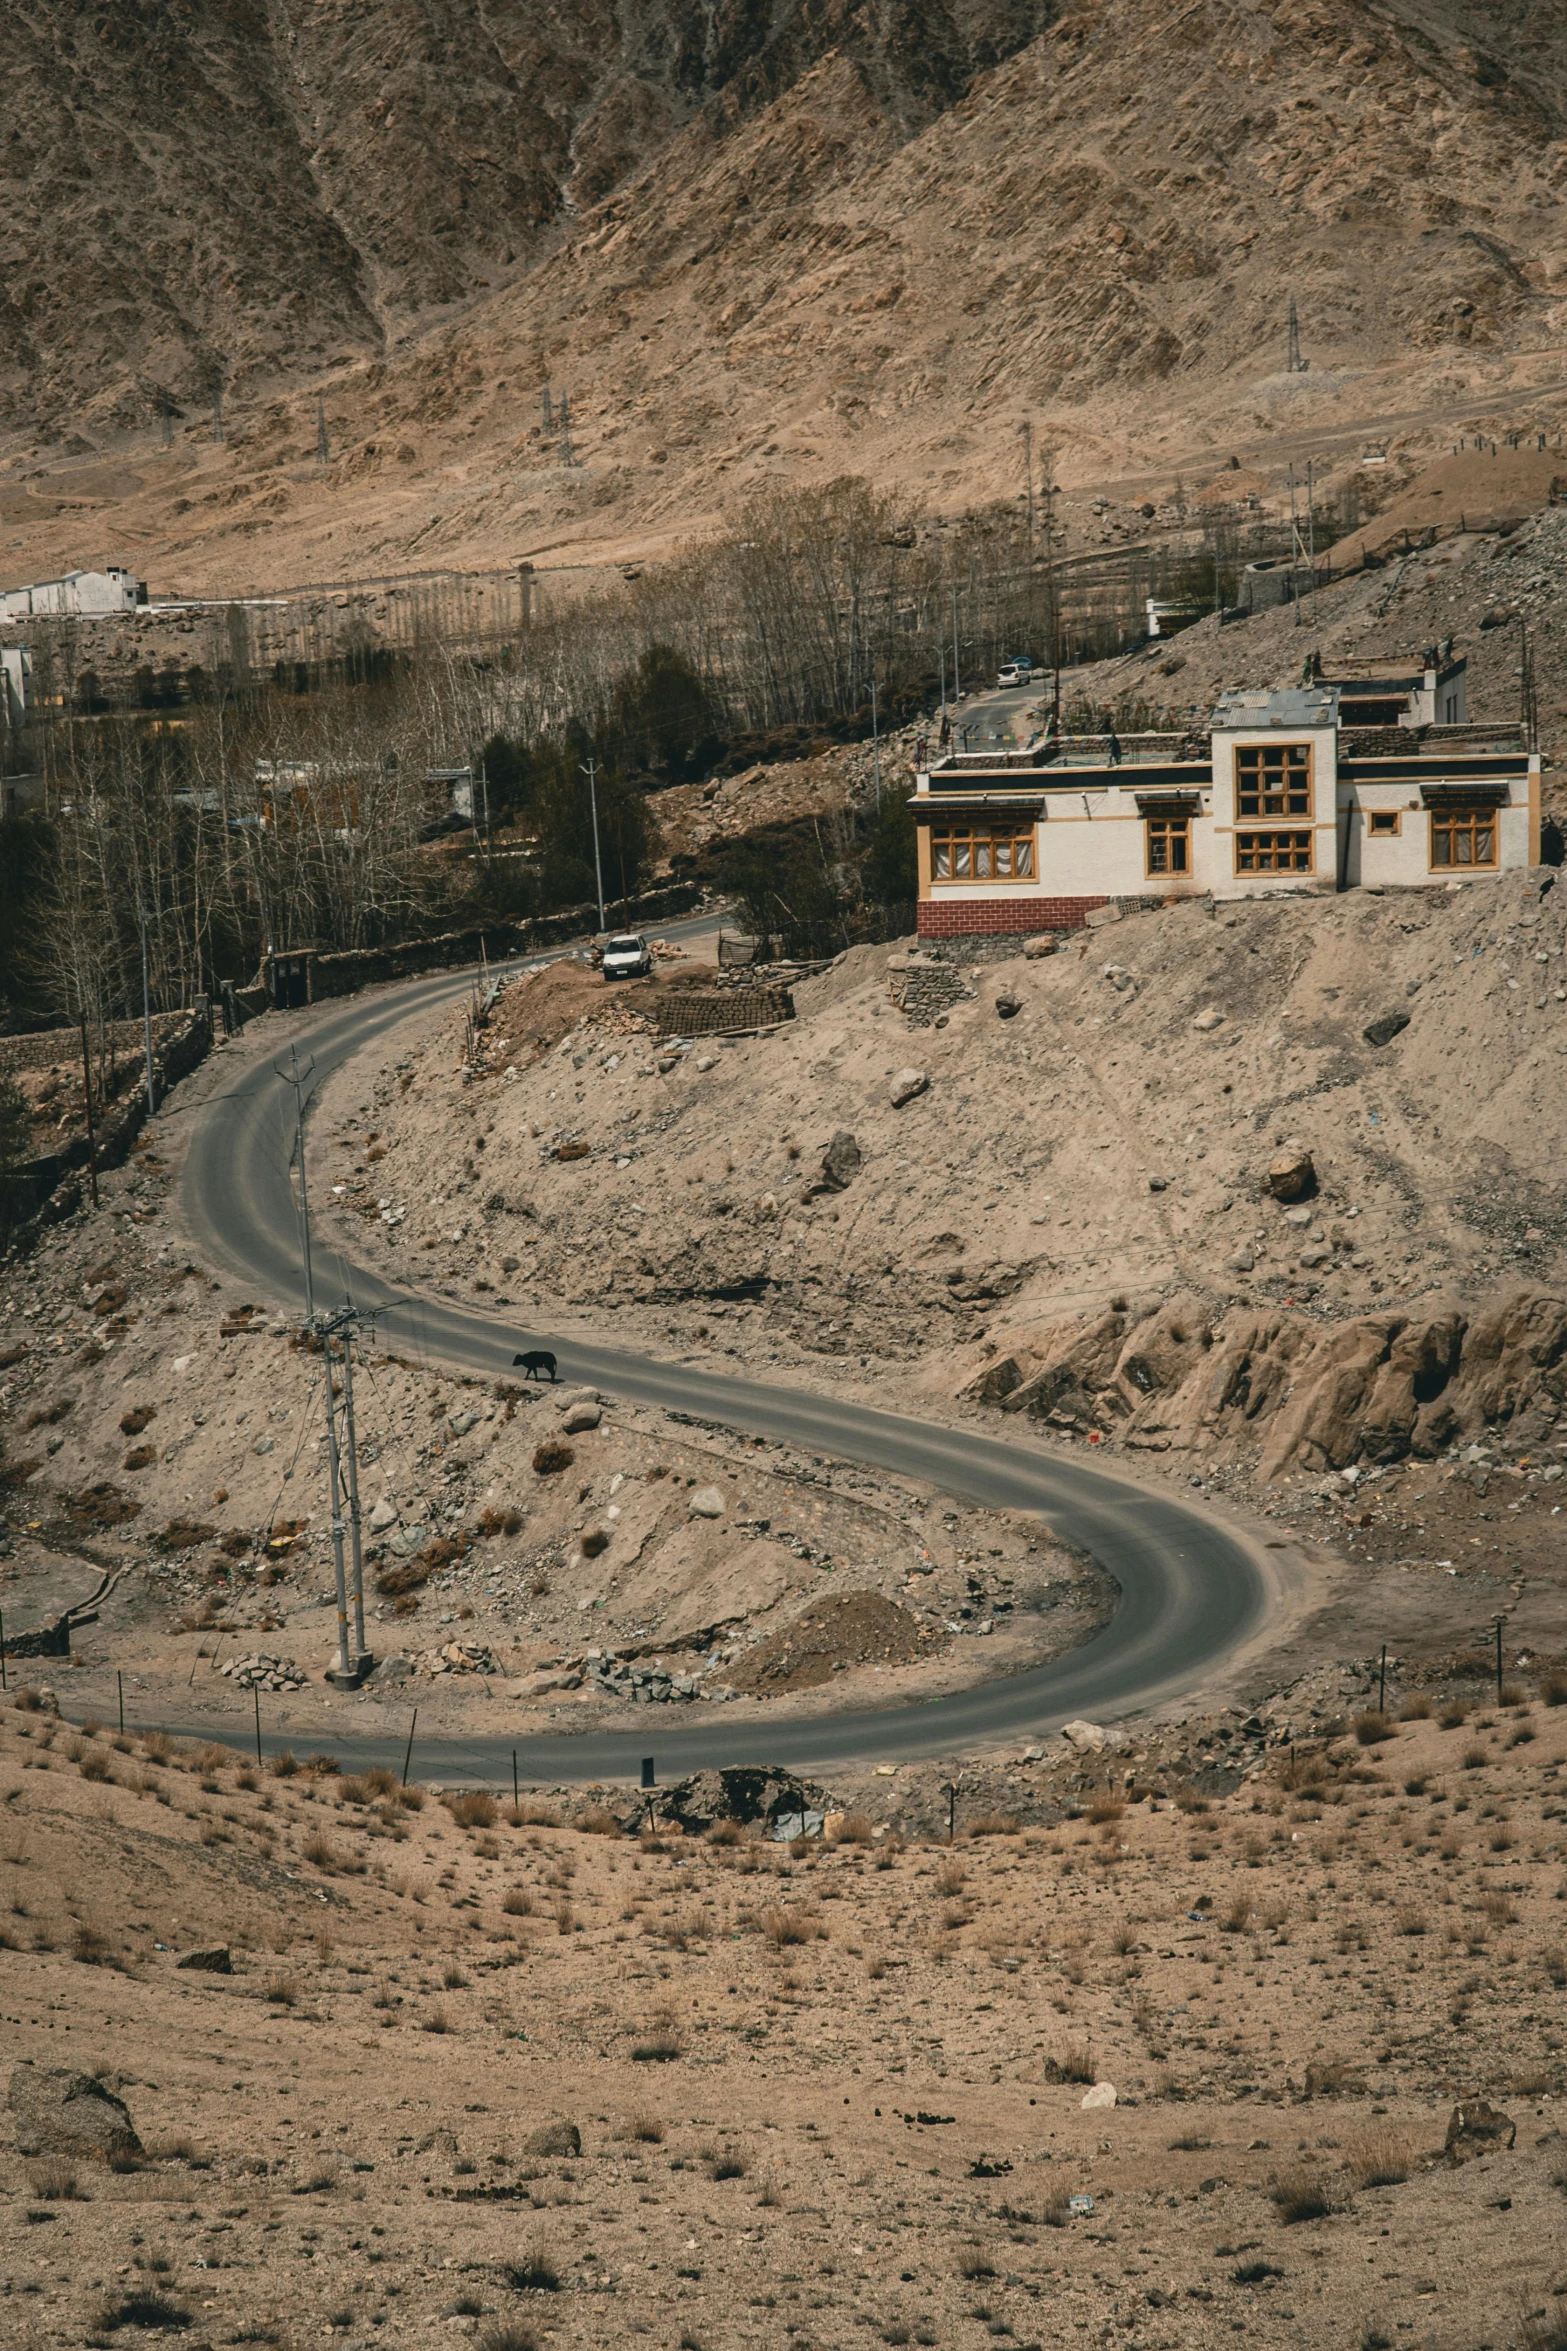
1372, 775
77, 593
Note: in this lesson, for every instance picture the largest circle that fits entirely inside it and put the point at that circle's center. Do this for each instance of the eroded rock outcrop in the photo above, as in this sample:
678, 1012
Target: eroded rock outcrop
1374, 1388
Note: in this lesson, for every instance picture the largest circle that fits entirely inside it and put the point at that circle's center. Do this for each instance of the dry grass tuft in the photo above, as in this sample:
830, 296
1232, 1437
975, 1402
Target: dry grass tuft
1381, 2160
1371, 1729
1301, 2194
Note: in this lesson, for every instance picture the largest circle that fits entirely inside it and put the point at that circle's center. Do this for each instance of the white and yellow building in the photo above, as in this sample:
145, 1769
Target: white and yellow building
1284, 791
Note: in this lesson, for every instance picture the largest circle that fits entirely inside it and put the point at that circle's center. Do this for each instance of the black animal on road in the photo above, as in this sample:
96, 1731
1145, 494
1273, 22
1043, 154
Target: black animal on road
535, 1363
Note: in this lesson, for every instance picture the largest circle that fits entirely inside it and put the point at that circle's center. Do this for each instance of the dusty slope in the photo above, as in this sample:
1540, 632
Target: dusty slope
1098, 1146
818, 2091
838, 263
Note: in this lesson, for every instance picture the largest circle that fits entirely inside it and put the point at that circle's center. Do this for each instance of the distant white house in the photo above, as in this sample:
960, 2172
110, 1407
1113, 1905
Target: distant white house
111, 590
16, 668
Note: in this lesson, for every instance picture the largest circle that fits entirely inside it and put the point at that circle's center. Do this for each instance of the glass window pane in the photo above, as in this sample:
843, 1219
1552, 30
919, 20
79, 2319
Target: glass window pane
960, 860
1025, 857
982, 867
1003, 858
943, 861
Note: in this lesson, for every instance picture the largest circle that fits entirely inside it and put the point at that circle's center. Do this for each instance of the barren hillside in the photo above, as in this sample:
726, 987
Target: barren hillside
751, 254
1265, 2040
1092, 1134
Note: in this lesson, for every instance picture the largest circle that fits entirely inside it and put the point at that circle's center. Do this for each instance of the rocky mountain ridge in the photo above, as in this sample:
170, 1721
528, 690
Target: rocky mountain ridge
753, 254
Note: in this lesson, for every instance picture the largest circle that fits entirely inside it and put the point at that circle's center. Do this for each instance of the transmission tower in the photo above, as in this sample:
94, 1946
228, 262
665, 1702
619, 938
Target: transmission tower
323, 445
549, 418
567, 453
1293, 362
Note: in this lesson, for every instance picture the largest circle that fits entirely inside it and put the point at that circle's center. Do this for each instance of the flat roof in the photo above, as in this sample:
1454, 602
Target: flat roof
1265, 706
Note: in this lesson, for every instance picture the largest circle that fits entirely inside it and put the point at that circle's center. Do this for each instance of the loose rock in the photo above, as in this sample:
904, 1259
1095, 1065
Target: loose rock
69, 2113
907, 1085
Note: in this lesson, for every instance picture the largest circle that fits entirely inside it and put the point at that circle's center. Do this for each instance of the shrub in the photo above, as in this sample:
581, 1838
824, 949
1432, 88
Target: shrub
281, 1990
1453, 1715
1416, 1708
1252, 2273
1371, 1729
320, 1853
1075, 2064
989, 1824
537, 2272
857, 1828
409, 1576
282, 1767
598, 1821
976, 2263
785, 1927
551, 1457
508, 2338
133, 1422
53, 2182
724, 1832
436, 2022
1237, 1917
517, 1902
1553, 1689
1300, 2194
1105, 1808
660, 2048
1475, 1757
730, 2165
139, 2310
1380, 2161
475, 1808
647, 2128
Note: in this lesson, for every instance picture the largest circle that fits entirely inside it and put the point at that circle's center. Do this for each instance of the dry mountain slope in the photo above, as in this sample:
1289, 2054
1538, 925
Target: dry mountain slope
277, 189
760, 256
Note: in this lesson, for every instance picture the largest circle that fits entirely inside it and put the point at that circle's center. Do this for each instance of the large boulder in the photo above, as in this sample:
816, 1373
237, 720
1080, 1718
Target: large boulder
554, 2138
1291, 1176
61, 2112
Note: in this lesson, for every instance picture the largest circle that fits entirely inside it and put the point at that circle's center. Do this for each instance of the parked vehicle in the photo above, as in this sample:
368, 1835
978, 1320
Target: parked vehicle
627, 957
1016, 673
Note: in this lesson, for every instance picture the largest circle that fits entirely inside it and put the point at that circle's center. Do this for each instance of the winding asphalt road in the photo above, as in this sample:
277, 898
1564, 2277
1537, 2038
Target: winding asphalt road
1190, 1591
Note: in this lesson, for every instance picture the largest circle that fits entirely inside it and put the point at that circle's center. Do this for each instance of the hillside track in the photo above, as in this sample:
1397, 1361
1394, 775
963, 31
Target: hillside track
1193, 1592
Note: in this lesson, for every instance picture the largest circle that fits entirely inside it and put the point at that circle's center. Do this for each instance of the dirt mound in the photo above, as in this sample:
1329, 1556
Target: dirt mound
834, 1633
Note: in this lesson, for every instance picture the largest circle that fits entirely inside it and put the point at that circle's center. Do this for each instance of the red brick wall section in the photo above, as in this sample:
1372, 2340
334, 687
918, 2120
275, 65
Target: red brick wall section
987, 917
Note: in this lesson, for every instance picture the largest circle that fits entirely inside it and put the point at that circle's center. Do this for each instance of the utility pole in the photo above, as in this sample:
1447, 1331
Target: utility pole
549, 419
484, 797
1294, 553
591, 772
875, 744
362, 1656
293, 1076
1311, 526
567, 455
92, 1140
343, 1671
943, 656
146, 1011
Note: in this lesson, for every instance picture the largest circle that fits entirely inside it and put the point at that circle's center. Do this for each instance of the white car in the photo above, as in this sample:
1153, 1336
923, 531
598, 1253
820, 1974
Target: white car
1016, 673
627, 957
